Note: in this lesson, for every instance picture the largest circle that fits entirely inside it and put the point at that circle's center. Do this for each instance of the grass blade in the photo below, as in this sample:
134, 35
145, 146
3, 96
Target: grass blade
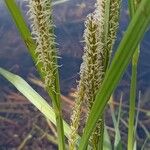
117, 142
107, 143
33, 97
131, 130
22, 27
131, 39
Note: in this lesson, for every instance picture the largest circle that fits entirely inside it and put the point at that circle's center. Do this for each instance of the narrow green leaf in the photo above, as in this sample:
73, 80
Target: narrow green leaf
135, 145
131, 131
132, 37
33, 97
116, 122
117, 142
133, 89
107, 143
22, 27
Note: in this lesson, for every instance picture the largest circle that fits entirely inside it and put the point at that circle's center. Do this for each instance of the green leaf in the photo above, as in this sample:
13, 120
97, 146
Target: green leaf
117, 142
107, 143
33, 97
132, 37
133, 89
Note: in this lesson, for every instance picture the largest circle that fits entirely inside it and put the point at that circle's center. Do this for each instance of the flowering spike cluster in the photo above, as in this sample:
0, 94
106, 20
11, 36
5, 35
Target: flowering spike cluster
93, 64
99, 41
75, 118
42, 30
91, 72
113, 23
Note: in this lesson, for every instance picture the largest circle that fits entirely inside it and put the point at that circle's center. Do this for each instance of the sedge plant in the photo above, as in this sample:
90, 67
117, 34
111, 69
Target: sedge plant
98, 75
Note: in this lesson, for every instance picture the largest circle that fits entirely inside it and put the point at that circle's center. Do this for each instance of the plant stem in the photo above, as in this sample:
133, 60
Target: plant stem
131, 131
58, 113
133, 87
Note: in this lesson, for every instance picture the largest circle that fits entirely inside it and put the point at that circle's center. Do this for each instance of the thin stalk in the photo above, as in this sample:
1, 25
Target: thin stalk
126, 49
27, 38
133, 86
58, 113
106, 61
131, 131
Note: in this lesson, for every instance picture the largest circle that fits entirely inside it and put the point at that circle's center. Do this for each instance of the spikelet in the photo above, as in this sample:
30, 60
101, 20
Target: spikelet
90, 71
93, 62
92, 66
113, 23
40, 13
75, 118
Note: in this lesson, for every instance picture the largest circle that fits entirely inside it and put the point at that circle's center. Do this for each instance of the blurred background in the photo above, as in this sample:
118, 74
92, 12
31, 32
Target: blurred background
21, 129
